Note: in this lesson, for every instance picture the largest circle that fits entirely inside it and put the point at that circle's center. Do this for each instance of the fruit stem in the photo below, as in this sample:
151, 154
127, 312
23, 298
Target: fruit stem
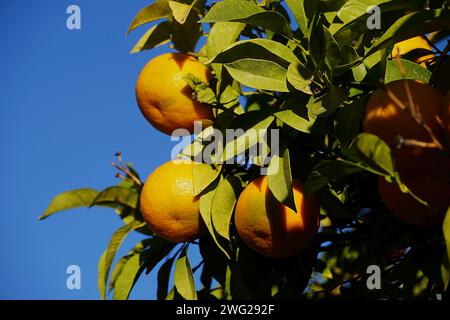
123, 168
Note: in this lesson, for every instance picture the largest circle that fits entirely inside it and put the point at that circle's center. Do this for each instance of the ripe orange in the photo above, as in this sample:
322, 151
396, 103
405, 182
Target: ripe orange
411, 44
164, 97
168, 204
270, 228
424, 185
385, 119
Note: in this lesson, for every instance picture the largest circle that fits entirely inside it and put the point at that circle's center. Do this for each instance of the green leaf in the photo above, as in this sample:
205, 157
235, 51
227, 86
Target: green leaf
108, 256
102, 275
257, 49
300, 77
180, 11
372, 152
413, 71
332, 50
137, 263
122, 261
222, 35
353, 9
247, 140
203, 176
279, 179
298, 10
297, 119
184, 278
157, 10
250, 13
155, 36
206, 213
327, 172
130, 273
445, 267
413, 24
223, 203
347, 123
185, 36
117, 196
163, 278
69, 200
259, 74
326, 104
295, 114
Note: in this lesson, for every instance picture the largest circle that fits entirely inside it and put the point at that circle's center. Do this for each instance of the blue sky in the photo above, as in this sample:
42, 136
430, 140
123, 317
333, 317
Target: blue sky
67, 104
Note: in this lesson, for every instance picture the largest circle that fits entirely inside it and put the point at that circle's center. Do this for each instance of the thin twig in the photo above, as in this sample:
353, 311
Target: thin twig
124, 169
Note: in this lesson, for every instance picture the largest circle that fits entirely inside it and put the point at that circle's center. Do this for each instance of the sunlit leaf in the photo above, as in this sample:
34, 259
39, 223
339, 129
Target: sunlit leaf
108, 257
250, 13
259, 74
157, 10
413, 71
117, 195
69, 200
184, 278
279, 178
155, 36
223, 204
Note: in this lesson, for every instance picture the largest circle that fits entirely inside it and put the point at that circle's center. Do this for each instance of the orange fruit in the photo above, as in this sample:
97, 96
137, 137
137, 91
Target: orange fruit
435, 192
272, 229
411, 44
168, 203
164, 97
385, 119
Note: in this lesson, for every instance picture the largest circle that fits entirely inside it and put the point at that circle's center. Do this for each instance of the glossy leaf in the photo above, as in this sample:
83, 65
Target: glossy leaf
222, 35
184, 278
249, 139
257, 49
122, 261
206, 213
259, 74
413, 71
180, 11
185, 36
372, 152
279, 178
69, 200
108, 256
203, 176
117, 195
353, 9
157, 10
130, 273
223, 203
298, 10
250, 13
300, 77
155, 36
